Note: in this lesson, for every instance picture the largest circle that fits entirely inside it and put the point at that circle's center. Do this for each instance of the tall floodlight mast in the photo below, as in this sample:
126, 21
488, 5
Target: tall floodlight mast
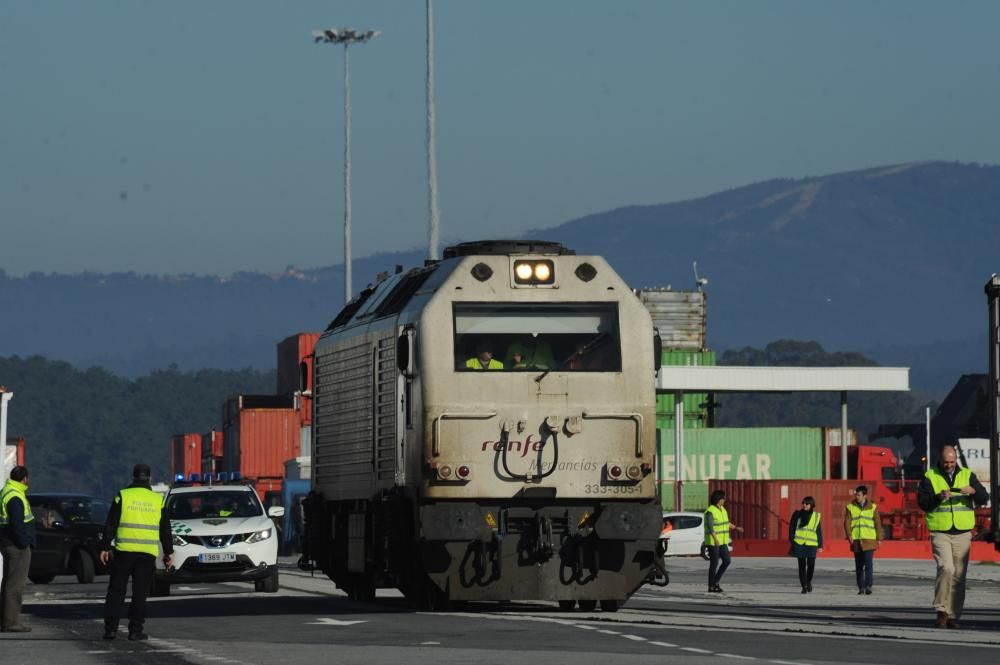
346, 36
432, 202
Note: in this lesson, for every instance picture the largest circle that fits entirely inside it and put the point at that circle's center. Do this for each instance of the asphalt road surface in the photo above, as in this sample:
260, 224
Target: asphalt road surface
761, 618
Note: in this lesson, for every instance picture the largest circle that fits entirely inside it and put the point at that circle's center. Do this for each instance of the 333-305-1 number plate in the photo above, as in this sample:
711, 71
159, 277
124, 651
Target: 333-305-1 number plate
216, 557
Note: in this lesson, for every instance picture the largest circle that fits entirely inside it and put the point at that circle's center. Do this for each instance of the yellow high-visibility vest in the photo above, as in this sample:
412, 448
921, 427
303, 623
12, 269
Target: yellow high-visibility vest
806, 534
720, 526
139, 526
862, 521
14, 489
957, 511
473, 363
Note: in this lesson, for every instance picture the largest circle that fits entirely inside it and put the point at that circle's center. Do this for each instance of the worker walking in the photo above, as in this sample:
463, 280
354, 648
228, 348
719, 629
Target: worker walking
864, 533
717, 538
949, 495
17, 537
140, 527
806, 535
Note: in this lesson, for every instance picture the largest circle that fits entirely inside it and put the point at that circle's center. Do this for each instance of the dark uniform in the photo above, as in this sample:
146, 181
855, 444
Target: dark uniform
139, 527
17, 537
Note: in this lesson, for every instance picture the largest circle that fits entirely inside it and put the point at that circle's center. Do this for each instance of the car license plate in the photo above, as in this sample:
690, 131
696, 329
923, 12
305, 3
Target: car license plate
216, 557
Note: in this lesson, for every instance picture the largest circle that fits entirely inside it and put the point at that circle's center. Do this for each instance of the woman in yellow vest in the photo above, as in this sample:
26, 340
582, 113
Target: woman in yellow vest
864, 532
717, 539
806, 535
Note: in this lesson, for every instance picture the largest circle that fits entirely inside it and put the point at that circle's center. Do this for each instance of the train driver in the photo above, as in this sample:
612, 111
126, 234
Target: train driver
484, 356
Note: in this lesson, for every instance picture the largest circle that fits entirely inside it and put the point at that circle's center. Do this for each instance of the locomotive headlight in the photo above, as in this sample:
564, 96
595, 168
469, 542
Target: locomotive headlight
539, 272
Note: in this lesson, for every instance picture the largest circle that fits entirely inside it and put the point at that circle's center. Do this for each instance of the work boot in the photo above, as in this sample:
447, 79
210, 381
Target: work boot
953, 624
137, 637
110, 634
942, 620
809, 587
868, 591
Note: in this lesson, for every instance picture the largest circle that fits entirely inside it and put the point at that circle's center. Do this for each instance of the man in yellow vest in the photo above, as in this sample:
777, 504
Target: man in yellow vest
484, 356
140, 528
717, 539
948, 495
17, 537
863, 528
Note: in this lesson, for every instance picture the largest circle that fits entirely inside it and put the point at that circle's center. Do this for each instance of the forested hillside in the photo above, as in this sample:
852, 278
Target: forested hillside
85, 429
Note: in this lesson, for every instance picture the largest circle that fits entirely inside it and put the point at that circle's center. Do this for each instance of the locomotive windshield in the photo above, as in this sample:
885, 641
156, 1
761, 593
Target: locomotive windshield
527, 337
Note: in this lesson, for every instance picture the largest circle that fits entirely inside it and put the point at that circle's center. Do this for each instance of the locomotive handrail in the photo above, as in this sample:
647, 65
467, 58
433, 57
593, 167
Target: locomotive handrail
637, 417
436, 447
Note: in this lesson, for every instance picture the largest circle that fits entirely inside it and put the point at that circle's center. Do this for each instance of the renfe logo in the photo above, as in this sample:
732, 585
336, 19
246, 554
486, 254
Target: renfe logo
521, 446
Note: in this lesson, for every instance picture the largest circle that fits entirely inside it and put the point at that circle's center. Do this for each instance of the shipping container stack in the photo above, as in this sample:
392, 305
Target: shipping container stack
260, 432
185, 454
211, 452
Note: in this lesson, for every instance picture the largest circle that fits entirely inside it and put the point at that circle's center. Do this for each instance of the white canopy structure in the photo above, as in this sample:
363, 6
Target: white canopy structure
679, 379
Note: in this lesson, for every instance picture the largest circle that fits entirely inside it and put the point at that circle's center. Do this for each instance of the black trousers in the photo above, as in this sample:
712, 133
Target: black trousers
139, 566
807, 565
715, 571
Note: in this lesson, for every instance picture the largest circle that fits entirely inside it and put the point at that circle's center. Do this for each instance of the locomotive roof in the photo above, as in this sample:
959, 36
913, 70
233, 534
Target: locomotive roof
494, 247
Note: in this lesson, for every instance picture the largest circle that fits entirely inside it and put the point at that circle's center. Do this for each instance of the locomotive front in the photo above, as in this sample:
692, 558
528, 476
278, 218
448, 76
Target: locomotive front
536, 378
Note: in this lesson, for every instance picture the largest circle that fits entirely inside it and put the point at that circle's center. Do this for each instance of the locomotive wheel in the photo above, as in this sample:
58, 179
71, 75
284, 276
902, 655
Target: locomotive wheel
588, 605
610, 605
567, 605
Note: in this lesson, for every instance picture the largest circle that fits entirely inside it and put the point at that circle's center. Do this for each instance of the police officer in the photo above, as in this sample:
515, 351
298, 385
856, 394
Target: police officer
17, 537
139, 526
949, 496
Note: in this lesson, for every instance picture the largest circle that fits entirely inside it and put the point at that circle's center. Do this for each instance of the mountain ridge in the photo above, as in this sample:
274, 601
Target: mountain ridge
888, 260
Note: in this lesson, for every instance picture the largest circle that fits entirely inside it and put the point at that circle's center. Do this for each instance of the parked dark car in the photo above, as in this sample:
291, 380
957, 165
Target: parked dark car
68, 528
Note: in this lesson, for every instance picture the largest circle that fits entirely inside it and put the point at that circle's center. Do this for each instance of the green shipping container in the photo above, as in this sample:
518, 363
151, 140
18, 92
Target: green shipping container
695, 404
738, 453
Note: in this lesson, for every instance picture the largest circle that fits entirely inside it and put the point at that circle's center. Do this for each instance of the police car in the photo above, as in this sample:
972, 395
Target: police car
221, 533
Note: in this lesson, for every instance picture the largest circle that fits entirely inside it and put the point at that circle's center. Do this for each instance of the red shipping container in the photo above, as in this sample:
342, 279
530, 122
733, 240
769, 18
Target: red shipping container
764, 507
185, 454
211, 452
258, 441
295, 370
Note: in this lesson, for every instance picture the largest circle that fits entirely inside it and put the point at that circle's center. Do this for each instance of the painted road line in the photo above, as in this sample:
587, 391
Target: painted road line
585, 626
609, 632
635, 638
325, 621
695, 650
735, 655
664, 644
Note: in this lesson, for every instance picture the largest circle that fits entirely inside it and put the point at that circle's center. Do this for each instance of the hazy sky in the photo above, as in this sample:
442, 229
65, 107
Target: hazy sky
207, 137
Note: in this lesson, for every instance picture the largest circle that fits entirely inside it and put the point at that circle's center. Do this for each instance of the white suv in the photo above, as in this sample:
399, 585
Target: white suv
220, 534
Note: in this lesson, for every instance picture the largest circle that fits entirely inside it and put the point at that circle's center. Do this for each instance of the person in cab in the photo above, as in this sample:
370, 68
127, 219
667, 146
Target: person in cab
484, 356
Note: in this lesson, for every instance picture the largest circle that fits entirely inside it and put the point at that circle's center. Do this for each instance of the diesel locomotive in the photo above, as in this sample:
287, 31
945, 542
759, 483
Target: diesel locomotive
484, 429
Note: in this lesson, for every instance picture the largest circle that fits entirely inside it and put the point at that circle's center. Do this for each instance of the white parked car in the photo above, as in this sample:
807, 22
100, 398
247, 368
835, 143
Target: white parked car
684, 533
220, 534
